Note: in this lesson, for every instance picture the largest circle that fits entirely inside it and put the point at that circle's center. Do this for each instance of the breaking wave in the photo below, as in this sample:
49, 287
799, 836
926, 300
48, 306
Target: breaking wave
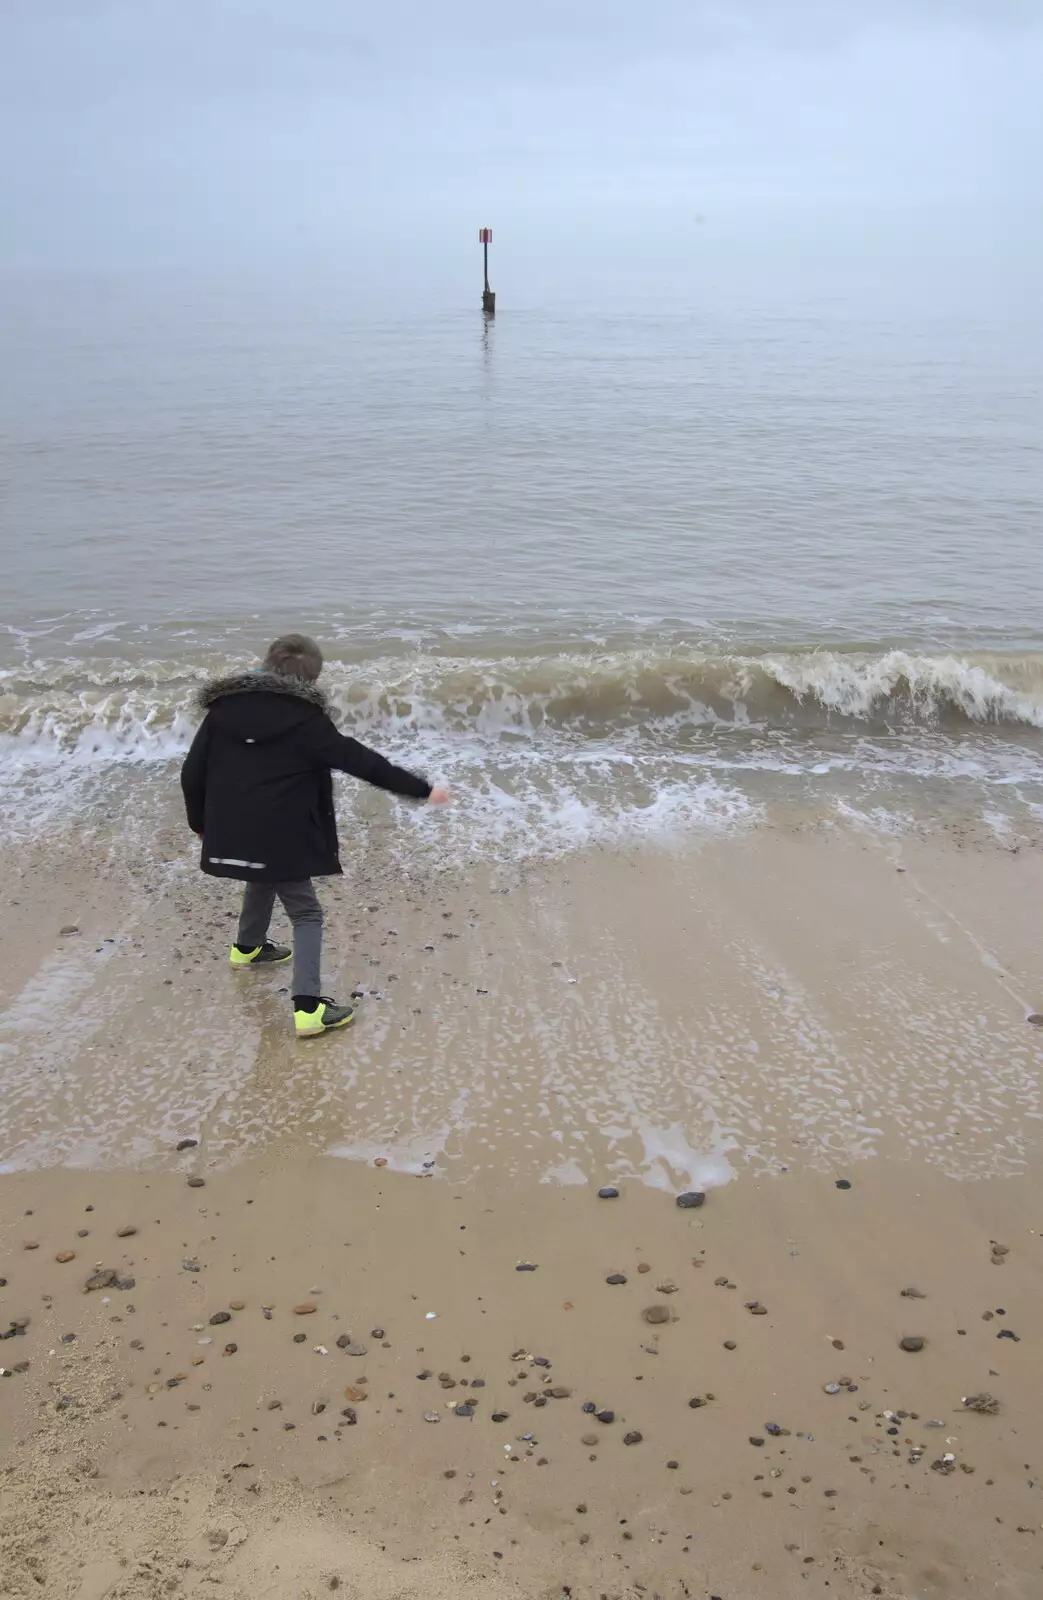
119, 711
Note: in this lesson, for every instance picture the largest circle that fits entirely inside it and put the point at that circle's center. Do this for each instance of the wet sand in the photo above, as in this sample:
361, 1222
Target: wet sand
758, 1019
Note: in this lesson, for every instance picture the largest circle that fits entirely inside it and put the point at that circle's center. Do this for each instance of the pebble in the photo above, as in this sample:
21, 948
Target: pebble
305, 1309
500, 1416
104, 1279
755, 1308
590, 1439
299, 1338
696, 1403
127, 1231
219, 1317
643, 1266
187, 1144
230, 1349
913, 1294
656, 1314
237, 1305
912, 1342
196, 1183
606, 1416
831, 1388
465, 1410
81, 1233
431, 1416
354, 1393
608, 1193
690, 1200
31, 1245
1036, 1019
633, 1438
842, 1183
729, 1344
344, 1341
525, 1266
615, 1277
376, 1333
65, 1255
560, 1392
354, 1349
71, 928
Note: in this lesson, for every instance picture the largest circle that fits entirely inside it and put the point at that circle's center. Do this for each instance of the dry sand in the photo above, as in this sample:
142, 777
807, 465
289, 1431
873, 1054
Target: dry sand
785, 1011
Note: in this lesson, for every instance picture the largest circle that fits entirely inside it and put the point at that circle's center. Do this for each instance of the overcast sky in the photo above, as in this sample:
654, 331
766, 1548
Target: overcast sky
195, 131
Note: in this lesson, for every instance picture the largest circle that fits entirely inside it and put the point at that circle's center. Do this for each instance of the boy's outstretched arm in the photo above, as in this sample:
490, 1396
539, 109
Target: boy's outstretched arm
334, 749
193, 778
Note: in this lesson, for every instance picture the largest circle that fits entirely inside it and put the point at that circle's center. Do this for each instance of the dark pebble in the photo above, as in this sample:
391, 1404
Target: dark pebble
689, 1201
1036, 1019
299, 1338
350, 1416
729, 1344
465, 1411
696, 1402
196, 1183
101, 1280
842, 1183
589, 1407
608, 1194
525, 1266
1008, 1333
632, 1438
606, 1416
376, 1333
772, 1428
219, 1317
615, 1277
500, 1416
756, 1442
673, 1465
187, 1144
912, 1343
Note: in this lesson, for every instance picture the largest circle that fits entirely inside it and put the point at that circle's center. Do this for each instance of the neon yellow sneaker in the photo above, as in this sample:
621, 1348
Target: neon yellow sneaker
326, 1016
266, 955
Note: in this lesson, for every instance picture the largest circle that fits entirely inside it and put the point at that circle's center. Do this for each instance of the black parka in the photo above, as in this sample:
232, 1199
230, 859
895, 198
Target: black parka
257, 781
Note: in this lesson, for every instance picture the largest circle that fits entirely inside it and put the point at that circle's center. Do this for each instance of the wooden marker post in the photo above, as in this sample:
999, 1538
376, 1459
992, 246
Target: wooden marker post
485, 239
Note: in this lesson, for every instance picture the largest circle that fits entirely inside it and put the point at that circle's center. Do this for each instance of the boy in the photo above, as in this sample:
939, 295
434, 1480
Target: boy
259, 795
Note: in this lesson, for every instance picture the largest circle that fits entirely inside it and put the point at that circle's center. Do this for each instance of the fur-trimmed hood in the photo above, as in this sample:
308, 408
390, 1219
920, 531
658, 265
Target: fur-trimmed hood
256, 707
261, 683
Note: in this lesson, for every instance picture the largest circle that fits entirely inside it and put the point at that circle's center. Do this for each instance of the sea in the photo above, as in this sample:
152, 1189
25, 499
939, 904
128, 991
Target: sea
630, 568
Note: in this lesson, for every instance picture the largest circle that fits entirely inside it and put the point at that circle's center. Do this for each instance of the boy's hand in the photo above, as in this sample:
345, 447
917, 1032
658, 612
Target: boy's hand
439, 797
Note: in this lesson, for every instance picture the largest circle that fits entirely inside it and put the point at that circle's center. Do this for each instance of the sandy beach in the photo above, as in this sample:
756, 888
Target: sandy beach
357, 1354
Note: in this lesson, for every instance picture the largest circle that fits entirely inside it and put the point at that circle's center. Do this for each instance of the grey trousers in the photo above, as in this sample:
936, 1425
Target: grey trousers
301, 905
